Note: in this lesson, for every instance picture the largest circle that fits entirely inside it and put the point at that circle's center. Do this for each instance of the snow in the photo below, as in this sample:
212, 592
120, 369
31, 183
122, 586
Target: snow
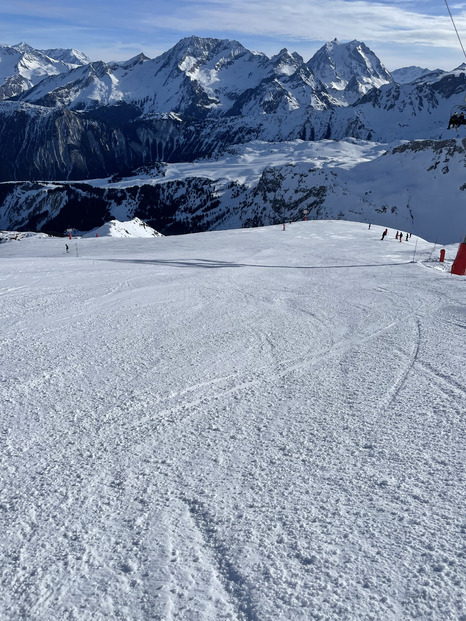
132, 228
337, 64
405, 75
249, 424
33, 65
416, 186
245, 163
158, 84
9, 59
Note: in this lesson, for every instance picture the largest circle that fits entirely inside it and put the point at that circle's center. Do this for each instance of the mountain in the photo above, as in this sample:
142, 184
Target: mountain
405, 75
202, 99
22, 67
203, 77
115, 228
416, 110
197, 78
55, 142
348, 70
415, 187
69, 56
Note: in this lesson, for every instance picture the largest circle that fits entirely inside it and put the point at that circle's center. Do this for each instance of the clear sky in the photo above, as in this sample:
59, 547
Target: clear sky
400, 32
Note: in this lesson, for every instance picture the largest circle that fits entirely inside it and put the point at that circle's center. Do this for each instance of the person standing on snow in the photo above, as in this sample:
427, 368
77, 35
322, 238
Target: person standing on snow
454, 121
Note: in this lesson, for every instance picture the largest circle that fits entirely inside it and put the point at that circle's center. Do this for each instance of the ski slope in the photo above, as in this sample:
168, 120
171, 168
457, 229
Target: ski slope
251, 424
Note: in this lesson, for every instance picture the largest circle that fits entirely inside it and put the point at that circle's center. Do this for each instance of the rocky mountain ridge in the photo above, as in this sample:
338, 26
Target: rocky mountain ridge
22, 67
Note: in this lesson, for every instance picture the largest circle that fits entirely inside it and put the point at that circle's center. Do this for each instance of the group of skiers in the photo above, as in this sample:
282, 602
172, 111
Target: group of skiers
399, 235
456, 120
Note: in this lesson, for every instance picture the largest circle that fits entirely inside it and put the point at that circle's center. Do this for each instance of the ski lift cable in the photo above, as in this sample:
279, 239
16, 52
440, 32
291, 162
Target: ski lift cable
456, 29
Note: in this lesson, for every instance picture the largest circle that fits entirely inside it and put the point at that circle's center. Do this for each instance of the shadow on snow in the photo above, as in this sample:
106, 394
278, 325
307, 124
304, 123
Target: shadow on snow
214, 264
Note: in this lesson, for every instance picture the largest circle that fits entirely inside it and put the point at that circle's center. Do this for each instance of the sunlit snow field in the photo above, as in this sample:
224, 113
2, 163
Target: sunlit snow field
257, 424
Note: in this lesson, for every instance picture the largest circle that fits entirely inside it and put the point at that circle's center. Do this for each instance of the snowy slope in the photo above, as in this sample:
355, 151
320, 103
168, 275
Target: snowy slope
115, 228
6, 236
254, 424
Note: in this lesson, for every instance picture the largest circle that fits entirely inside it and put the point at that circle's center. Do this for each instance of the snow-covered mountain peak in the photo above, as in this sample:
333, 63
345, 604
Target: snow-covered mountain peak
195, 51
348, 70
23, 47
405, 75
136, 60
68, 56
22, 67
132, 228
196, 77
100, 68
287, 63
330, 45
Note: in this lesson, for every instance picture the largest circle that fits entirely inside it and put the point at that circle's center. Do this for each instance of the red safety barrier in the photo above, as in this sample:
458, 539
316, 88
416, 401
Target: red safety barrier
459, 264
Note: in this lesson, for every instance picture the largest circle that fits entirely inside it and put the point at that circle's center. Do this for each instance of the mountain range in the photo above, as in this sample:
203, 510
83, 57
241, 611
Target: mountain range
64, 118
22, 67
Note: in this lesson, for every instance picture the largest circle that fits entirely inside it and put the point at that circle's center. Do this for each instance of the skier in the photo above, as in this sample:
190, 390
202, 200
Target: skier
384, 234
396, 236
454, 121
67, 249
407, 237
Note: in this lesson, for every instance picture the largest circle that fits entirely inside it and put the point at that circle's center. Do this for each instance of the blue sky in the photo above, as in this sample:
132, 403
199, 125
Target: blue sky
400, 32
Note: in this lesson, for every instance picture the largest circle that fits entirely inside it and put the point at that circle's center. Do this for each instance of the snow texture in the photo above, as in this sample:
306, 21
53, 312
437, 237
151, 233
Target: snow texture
133, 228
258, 424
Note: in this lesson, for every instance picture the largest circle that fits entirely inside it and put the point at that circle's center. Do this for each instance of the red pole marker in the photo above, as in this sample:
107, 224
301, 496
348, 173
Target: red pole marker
459, 264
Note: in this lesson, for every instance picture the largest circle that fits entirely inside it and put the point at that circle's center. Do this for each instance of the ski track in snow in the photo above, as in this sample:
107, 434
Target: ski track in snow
244, 425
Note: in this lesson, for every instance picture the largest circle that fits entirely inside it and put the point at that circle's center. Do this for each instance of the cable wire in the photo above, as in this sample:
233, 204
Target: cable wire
456, 30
